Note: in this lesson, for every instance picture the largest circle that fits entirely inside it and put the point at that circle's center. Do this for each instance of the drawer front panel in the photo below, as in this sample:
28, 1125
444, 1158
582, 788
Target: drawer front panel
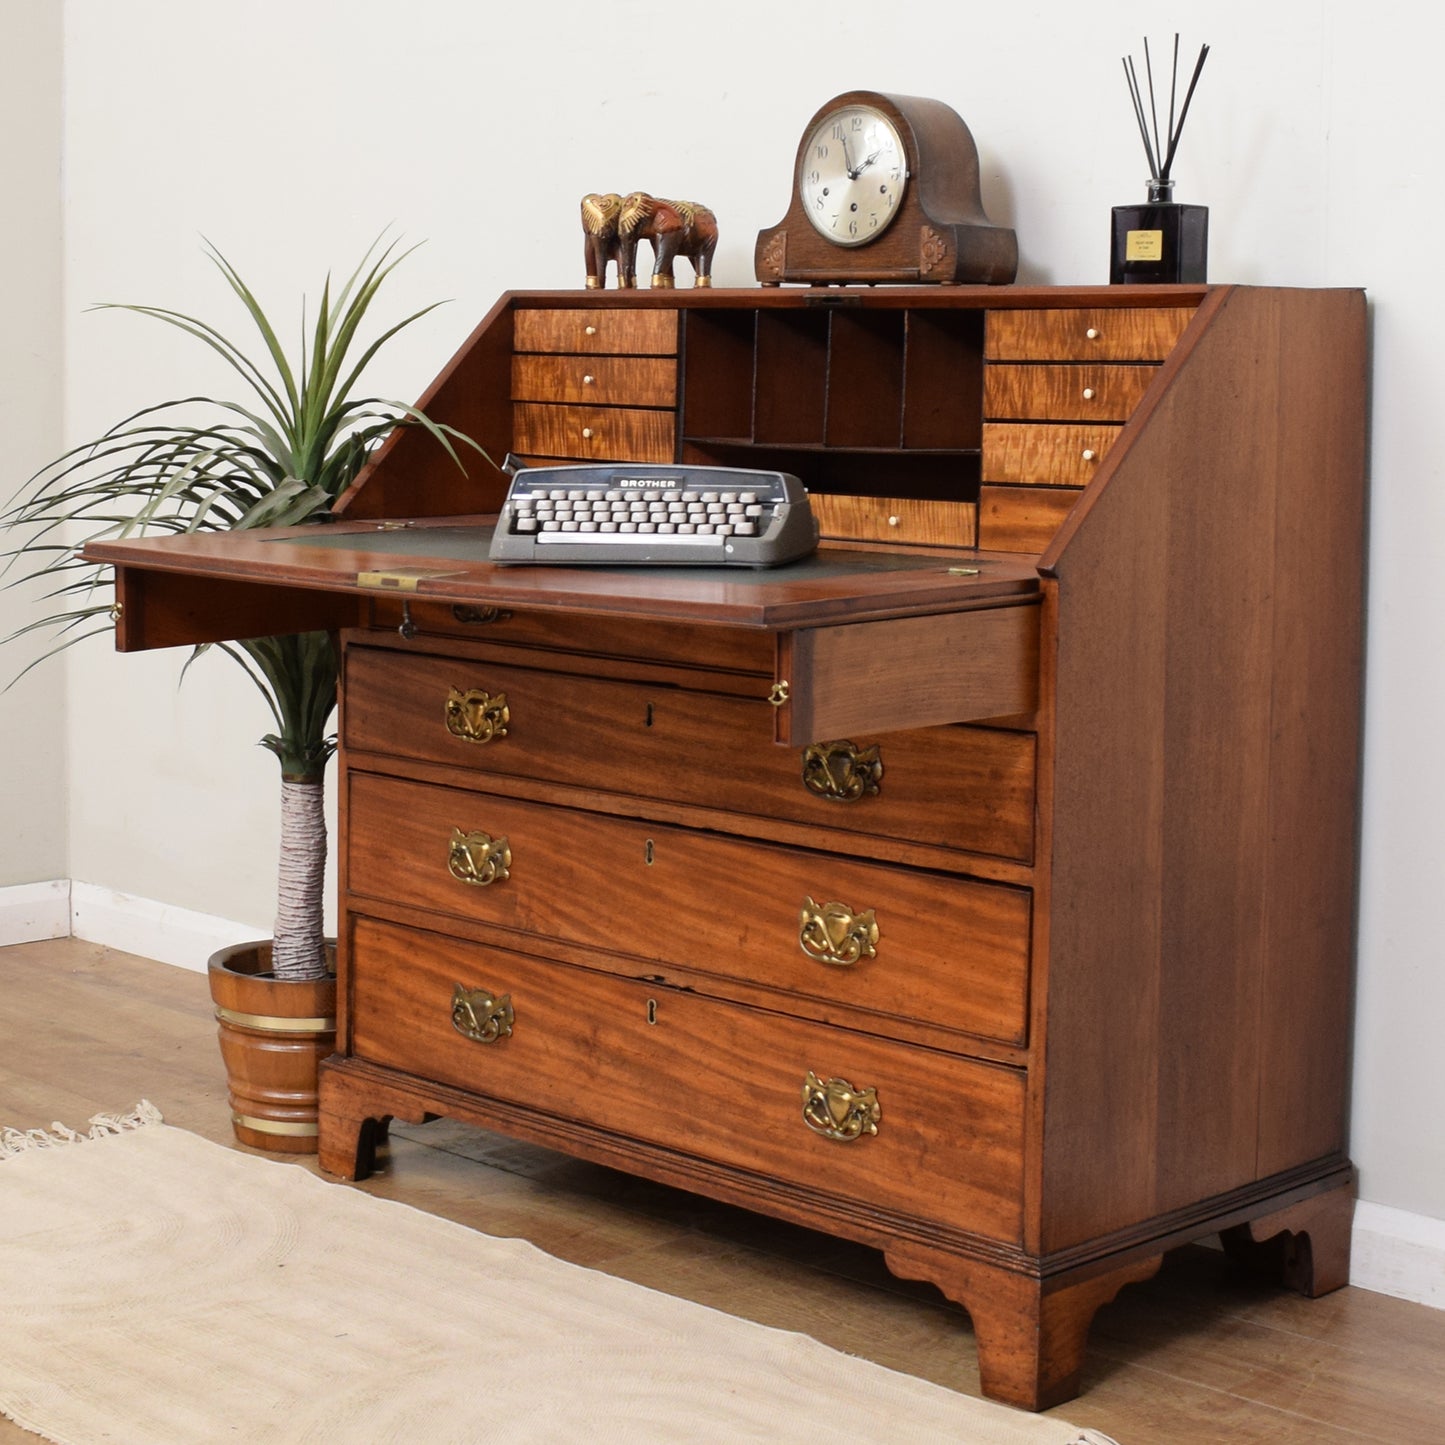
1044, 455
1022, 519
964, 788
704, 1077
596, 380
587, 330
1064, 393
1139, 333
591, 433
832, 932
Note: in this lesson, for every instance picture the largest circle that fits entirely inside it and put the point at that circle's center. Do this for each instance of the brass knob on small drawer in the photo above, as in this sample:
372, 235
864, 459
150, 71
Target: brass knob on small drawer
1089, 454
1088, 393
477, 1015
834, 934
589, 380
477, 716
1092, 333
836, 1110
587, 433
478, 859
841, 771
589, 331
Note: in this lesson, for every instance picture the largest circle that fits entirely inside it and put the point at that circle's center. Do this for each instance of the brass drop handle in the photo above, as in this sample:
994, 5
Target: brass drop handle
478, 859
479, 1015
842, 771
477, 716
834, 934
836, 1110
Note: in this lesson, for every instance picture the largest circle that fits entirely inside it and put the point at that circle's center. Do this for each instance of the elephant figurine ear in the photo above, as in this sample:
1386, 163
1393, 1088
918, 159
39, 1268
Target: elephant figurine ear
636, 208
599, 213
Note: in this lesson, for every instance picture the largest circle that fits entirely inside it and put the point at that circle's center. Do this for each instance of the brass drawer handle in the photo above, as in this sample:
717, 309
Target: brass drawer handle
832, 933
837, 1110
477, 1015
841, 771
476, 716
478, 858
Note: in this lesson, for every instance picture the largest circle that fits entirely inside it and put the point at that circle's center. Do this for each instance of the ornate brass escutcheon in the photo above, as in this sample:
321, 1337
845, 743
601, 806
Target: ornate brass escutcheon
837, 1110
832, 933
475, 716
478, 858
476, 1014
842, 771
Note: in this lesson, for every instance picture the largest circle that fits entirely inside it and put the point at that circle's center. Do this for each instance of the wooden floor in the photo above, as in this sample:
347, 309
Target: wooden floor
1199, 1353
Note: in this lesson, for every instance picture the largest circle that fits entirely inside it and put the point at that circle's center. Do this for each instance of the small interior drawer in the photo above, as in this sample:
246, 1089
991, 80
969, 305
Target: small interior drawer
593, 433
596, 329
596, 380
699, 1075
1022, 519
1132, 333
1045, 455
1067, 392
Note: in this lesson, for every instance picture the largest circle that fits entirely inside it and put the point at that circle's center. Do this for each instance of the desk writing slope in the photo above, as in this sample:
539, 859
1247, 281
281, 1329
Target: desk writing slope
982, 889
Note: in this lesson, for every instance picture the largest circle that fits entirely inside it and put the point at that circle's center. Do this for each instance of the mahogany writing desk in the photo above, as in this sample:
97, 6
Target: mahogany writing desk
982, 888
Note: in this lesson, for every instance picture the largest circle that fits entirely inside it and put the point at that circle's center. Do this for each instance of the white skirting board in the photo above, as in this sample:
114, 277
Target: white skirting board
1392, 1251
30, 912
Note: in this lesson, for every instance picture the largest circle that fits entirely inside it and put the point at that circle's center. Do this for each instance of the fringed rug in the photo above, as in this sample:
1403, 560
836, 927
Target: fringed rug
158, 1288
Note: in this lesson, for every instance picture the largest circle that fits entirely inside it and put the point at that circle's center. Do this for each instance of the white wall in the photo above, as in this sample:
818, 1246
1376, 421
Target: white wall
32, 740
292, 133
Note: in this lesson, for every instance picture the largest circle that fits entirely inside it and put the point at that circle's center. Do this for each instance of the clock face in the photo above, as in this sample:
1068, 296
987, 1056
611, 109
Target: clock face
852, 175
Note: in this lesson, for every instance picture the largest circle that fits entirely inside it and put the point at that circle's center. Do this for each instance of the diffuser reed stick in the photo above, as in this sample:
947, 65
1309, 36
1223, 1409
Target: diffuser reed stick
1161, 160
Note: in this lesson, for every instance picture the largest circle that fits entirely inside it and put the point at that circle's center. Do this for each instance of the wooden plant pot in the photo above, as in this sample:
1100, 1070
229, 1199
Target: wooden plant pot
274, 1032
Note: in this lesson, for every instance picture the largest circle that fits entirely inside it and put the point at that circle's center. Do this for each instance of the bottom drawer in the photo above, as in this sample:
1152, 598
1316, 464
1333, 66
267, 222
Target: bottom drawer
712, 1079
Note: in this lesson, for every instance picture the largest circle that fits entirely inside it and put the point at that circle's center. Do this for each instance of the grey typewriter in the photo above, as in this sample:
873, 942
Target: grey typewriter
626, 514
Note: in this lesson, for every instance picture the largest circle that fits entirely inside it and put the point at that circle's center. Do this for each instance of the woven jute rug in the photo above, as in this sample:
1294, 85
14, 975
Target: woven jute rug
157, 1288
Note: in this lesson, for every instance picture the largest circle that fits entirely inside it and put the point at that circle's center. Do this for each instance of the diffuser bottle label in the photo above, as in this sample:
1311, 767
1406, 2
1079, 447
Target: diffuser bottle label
1144, 246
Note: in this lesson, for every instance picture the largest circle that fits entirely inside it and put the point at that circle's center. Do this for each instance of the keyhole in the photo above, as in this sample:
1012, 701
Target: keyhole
647, 852
652, 1010
648, 722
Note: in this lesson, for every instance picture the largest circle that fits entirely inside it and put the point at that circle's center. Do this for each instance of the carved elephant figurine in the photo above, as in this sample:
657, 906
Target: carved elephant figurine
675, 228
600, 240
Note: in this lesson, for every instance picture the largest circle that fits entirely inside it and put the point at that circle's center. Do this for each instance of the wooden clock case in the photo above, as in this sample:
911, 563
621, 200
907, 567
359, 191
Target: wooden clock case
940, 234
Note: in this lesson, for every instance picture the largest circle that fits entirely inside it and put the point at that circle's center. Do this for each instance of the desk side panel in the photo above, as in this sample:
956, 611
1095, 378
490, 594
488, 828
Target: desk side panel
412, 474
1203, 751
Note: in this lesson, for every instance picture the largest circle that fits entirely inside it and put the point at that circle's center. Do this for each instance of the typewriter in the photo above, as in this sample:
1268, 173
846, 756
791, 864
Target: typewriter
626, 514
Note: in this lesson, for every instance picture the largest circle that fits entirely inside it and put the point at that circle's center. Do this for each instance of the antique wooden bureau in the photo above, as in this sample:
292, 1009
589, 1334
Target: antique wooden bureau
981, 889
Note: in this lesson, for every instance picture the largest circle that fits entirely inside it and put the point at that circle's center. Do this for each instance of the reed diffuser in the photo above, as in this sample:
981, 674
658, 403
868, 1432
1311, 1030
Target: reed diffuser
1162, 240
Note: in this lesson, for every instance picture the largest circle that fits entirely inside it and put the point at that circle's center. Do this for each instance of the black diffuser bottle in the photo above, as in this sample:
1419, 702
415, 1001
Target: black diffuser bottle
1161, 240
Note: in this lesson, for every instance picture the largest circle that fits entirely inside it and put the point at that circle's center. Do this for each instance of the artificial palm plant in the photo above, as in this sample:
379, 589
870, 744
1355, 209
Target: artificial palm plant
281, 457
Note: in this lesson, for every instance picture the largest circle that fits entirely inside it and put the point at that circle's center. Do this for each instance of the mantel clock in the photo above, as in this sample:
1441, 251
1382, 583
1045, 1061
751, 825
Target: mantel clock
886, 188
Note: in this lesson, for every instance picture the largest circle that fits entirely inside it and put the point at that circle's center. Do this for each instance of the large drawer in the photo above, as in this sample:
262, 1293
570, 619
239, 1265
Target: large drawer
963, 788
824, 933
705, 1078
